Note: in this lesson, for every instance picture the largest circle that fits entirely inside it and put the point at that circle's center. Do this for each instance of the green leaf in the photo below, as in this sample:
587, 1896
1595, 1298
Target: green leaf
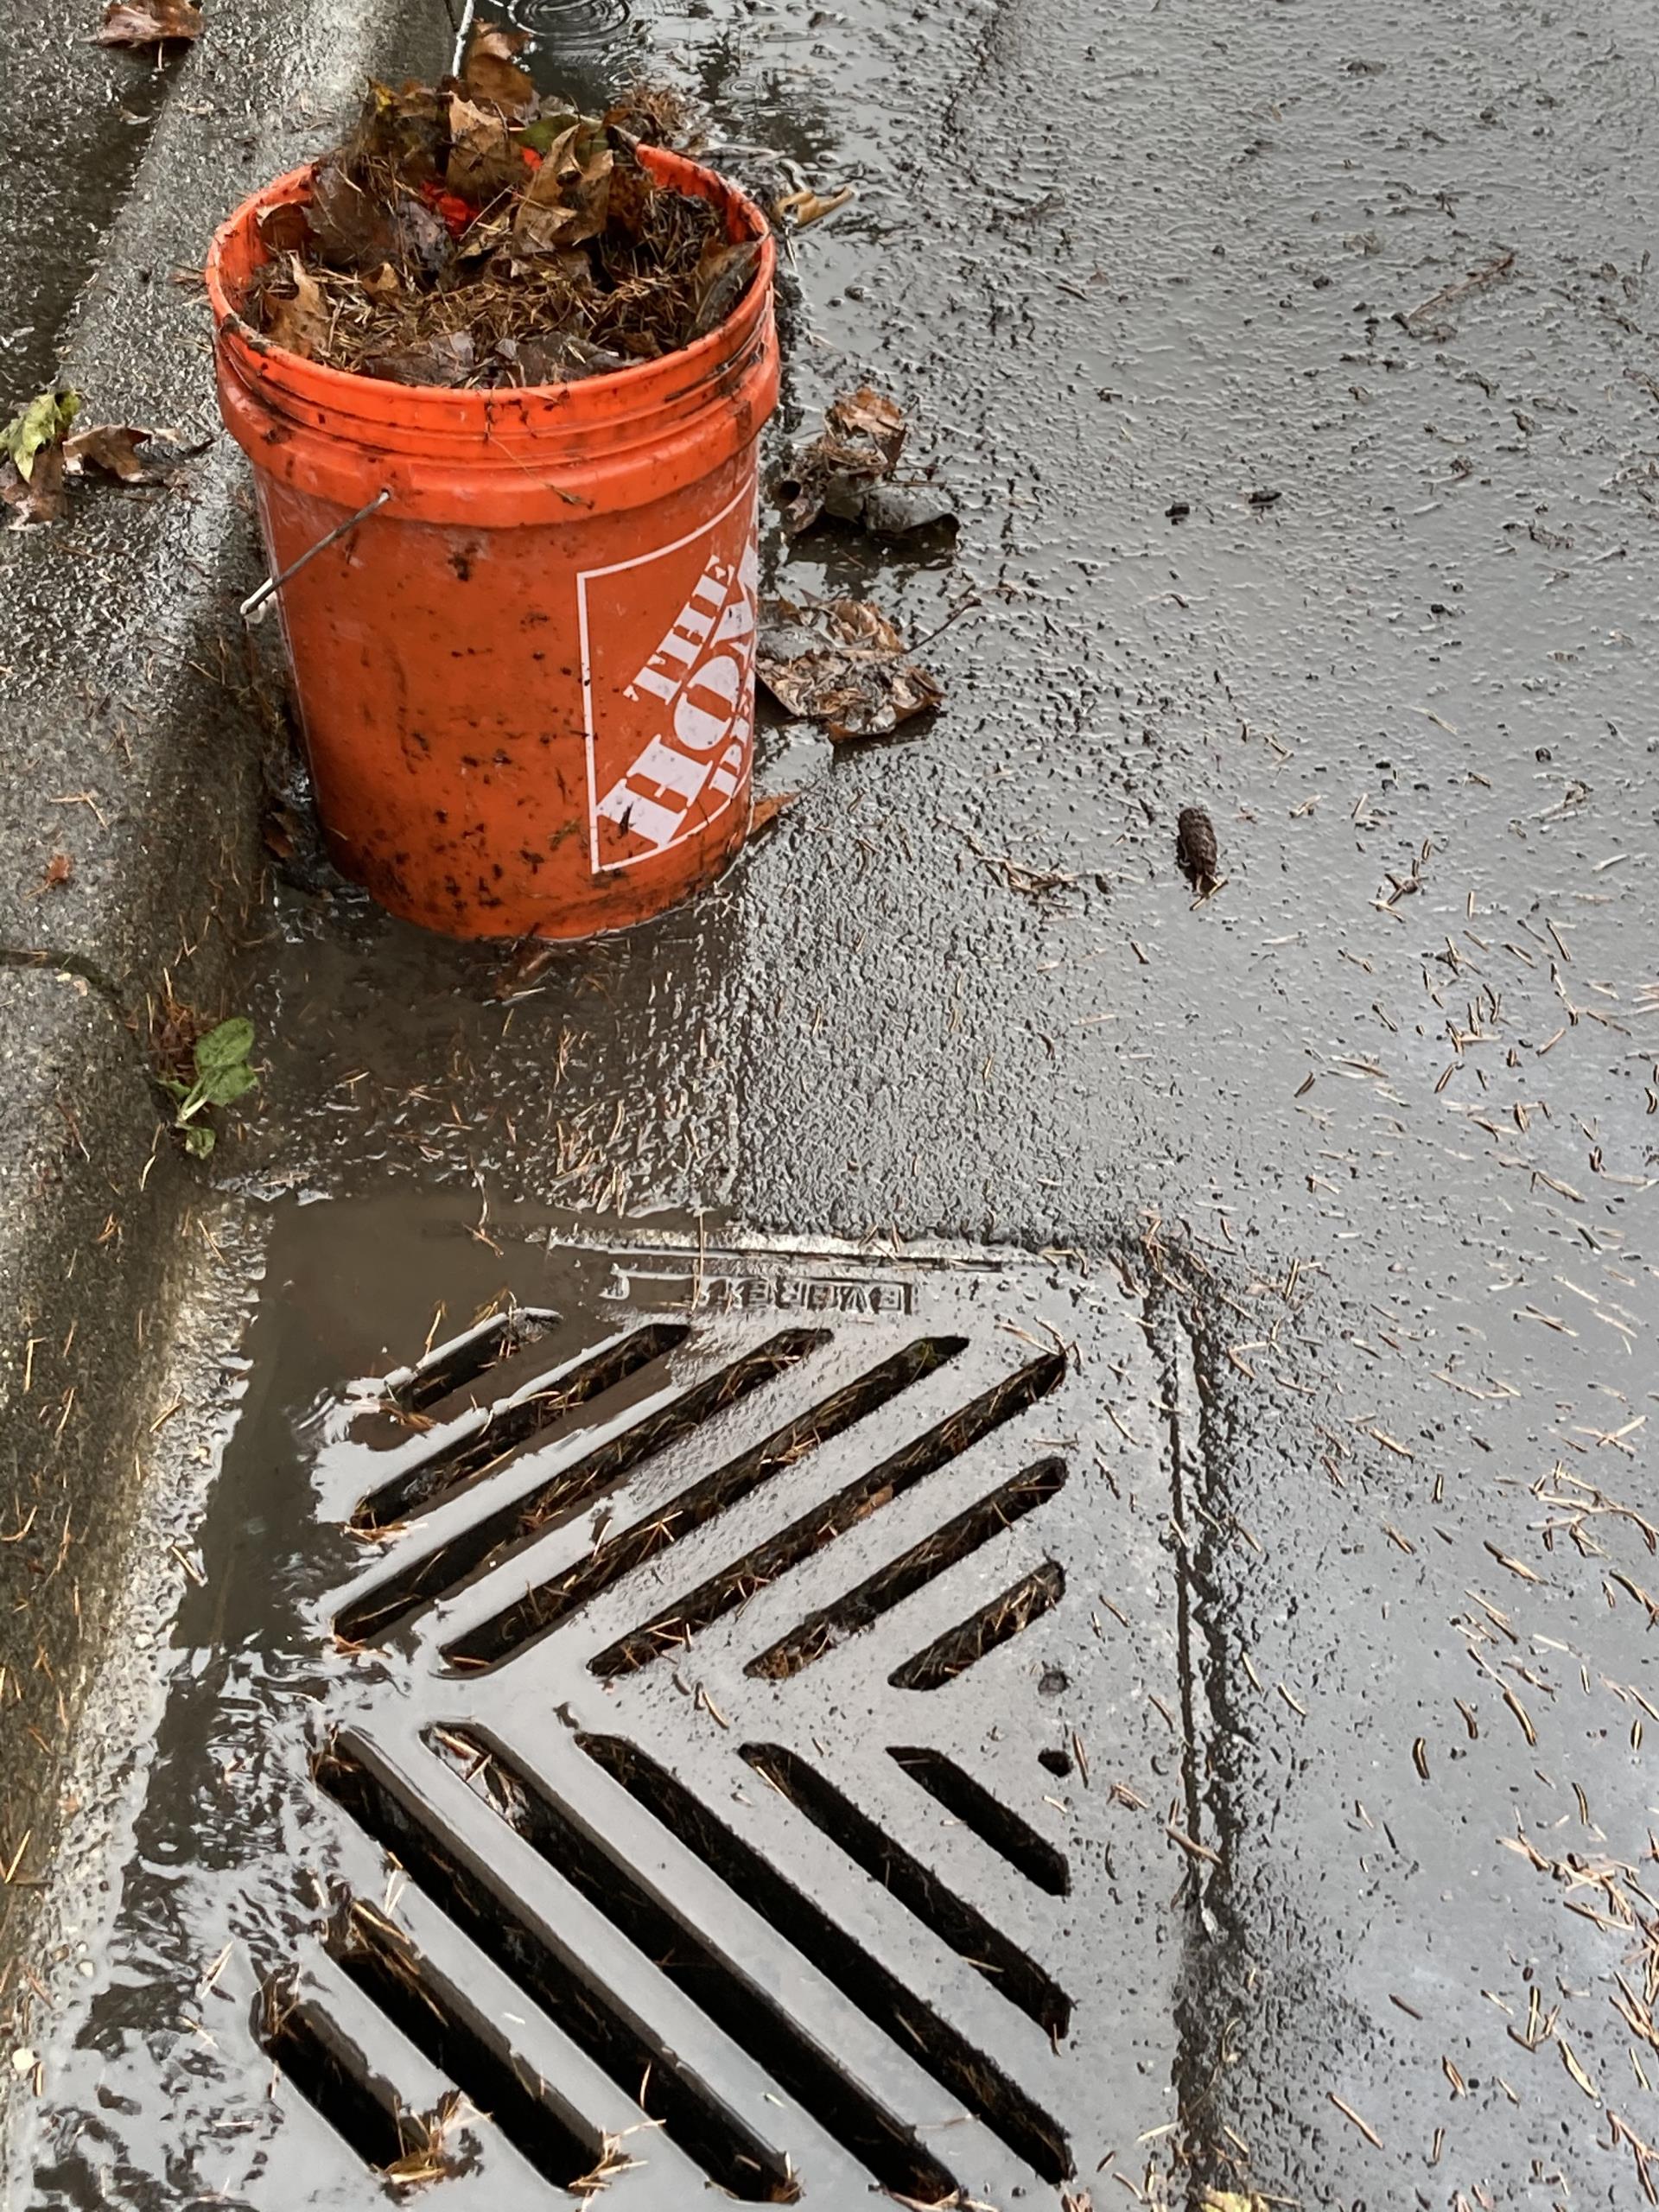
41, 422
199, 1139
220, 1086
227, 1046
174, 1088
545, 130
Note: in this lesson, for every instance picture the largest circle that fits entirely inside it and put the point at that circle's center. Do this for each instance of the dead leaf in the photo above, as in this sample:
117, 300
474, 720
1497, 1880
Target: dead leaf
844, 473
112, 448
59, 870
38, 497
446, 359
842, 663
867, 413
149, 22
483, 161
299, 323
366, 233
568, 200
492, 77
766, 807
722, 278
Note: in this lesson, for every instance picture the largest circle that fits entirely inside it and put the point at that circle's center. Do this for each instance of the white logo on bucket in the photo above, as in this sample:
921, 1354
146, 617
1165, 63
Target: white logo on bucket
692, 696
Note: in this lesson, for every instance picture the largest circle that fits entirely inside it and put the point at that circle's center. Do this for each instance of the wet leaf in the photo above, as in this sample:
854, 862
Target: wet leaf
41, 424
491, 76
59, 871
222, 1086
446, 361
354, 229
568, 200
842, 663
723, 277
844, 472
224, 1046
149, 22
38, 497
483, 161
112, 448
199, 1138
299, 320
866, 413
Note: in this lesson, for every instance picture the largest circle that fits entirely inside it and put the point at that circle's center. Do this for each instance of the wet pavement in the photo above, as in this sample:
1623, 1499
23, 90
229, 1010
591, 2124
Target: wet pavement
1253, 520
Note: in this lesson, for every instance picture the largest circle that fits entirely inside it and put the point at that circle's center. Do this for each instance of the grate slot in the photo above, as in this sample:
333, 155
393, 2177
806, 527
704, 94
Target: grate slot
508, 1426
384, 1966
377, 1610
544, 1607
913, 1570
715, 2138
994, 1823
959, 1648
296, 2038
815, 1530
955, 1923
968, 2074
467, 1358
750, 2017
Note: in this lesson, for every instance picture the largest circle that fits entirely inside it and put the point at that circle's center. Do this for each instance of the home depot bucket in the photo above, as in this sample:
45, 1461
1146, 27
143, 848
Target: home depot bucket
527, 676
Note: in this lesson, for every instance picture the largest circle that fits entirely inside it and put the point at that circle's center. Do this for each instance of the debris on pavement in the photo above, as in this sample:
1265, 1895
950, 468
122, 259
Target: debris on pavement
1418, 320
842, 663
1196, 850
40, 447
473, 233
149, 22
846, 472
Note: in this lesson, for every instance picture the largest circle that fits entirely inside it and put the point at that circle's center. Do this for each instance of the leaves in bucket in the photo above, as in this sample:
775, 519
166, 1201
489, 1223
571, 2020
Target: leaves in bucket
842, 662
472, 234
491, 74
149, 22
222, 1075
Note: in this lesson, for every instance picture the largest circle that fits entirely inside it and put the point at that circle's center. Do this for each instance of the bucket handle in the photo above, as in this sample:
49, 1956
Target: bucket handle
253, 609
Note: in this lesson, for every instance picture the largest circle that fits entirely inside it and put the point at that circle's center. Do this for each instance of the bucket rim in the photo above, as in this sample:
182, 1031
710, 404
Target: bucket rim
317, 383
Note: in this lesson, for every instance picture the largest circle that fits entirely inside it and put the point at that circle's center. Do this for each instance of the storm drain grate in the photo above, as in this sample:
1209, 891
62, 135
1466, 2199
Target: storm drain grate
689, 1817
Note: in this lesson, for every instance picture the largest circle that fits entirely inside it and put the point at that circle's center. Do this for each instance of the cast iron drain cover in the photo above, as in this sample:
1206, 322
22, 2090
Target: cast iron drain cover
748, 1756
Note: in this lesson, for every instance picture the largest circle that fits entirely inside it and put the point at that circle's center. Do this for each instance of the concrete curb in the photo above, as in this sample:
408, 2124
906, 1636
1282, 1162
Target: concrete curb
134, 746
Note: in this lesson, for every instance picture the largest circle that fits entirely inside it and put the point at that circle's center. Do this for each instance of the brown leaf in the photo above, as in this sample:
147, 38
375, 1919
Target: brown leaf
58, 870
842, 663
149, 22
767, 808
483, 161
363, 233
113, 447
38, 497
299, 323
722, 278
866, 414
406, 132
446, 359
567, 198
491, 75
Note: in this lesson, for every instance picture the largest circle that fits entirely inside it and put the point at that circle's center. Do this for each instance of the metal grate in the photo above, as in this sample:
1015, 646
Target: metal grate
705, 1648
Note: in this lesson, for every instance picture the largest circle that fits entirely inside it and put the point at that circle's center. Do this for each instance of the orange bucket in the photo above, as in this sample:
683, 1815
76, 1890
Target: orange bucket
526, 680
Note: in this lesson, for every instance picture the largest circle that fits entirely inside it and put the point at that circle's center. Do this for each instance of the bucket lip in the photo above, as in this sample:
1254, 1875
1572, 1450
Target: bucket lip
344, 391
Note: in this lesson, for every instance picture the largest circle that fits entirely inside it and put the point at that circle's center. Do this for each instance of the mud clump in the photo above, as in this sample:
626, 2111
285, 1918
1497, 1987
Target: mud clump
473, 233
